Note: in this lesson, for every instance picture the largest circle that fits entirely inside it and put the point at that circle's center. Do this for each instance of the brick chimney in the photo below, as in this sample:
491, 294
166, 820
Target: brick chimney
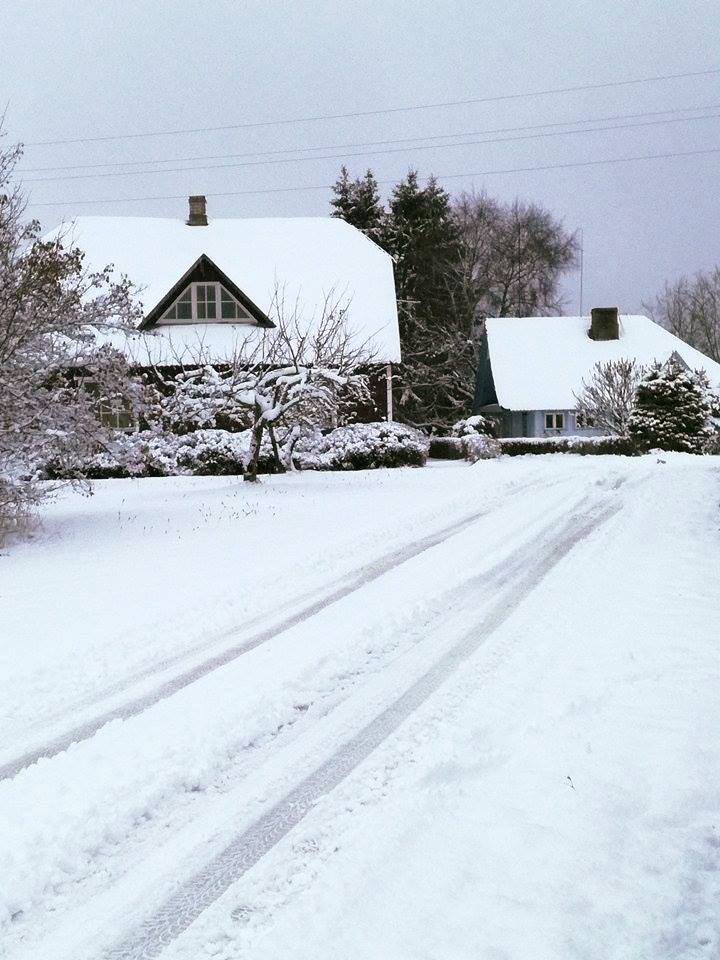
604, 324
197, 216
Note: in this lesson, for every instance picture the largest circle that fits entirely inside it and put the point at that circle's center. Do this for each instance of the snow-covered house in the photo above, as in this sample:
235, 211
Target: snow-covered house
531, 368
207, 285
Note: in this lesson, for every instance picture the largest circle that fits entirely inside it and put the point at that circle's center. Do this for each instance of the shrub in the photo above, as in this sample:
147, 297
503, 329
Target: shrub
363, 446
144, 454
202, 399
477, 447
473, 425
446, 448
221, 453
672, 409
584, 446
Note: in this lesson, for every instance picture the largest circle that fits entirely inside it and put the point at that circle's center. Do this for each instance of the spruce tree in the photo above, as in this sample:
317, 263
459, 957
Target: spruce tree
358, 202
437, 374
672, 409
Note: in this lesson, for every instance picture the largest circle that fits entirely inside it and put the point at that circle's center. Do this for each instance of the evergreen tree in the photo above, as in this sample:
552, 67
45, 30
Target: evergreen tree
358, 202
437, 375
672, 409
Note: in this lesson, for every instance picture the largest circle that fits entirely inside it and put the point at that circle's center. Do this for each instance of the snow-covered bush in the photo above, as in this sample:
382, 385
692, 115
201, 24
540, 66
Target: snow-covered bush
473, 425
363, 446
672, 409
477, 447
152, 454
712, 444
205, 398
221, 453
143, 454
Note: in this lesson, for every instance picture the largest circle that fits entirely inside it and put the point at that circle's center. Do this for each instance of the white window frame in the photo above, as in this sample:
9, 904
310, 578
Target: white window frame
111, 412
555, 427
219, 287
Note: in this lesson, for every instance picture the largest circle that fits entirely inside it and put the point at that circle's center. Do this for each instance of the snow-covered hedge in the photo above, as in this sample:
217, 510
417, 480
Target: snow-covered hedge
517, 446
149, 454
362, 446
446, 448
470, 446
144, 454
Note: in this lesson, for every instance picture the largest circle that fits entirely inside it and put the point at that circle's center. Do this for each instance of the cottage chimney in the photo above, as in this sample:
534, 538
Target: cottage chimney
197, 216
604, 324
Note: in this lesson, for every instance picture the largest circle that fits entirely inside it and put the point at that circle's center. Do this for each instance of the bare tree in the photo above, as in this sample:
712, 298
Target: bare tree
513, 256
51, 310
606, 399
690, 308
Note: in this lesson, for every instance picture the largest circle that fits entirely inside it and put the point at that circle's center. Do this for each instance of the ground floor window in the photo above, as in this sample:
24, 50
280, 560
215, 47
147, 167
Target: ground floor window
112, 411
554, 421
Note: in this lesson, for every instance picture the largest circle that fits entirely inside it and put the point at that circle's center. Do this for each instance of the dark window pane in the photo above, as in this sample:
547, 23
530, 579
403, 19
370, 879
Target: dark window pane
184, 310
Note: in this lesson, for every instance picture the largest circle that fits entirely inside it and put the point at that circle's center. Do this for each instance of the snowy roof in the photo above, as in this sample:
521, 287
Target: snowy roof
539, 363
308, 258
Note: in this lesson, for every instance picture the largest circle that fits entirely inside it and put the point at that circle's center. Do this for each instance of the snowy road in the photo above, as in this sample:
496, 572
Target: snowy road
303, 608
215, 817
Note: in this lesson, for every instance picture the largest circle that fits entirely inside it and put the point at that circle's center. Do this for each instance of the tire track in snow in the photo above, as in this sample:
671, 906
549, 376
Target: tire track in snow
346, 585
194, 896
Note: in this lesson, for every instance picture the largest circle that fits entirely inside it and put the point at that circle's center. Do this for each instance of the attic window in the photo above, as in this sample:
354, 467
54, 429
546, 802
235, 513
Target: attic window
206, 303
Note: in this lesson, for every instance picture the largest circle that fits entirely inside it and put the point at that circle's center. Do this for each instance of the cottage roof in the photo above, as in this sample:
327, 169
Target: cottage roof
539, 363
307, 258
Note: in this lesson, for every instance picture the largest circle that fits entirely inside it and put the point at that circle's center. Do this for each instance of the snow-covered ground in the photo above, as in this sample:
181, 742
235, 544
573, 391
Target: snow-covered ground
459, 712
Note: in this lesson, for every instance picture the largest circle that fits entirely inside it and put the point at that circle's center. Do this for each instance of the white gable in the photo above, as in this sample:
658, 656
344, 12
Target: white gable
539, 363
308, 257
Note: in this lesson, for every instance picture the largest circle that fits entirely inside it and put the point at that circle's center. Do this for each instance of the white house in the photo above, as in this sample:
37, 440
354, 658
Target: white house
206, 285
530, 368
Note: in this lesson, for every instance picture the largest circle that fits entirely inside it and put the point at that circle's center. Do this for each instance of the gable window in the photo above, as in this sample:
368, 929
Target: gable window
206, 302
555, 421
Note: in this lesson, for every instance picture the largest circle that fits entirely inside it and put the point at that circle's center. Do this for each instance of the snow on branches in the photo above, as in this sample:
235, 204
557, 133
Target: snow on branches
279, 381
607, 397
50, 312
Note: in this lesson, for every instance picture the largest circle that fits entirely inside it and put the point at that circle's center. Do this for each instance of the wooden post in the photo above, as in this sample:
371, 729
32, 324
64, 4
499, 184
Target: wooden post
388, 392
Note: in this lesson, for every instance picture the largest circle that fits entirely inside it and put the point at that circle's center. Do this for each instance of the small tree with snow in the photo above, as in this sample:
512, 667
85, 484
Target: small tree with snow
280, 382
672, 409
50, 312
296, 377
607, 397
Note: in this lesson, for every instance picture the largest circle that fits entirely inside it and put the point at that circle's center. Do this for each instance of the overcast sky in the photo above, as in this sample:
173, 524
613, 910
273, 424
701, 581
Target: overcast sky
87, 69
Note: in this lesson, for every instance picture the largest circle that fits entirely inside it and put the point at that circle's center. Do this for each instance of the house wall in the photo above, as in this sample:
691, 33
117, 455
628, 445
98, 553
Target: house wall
531, 423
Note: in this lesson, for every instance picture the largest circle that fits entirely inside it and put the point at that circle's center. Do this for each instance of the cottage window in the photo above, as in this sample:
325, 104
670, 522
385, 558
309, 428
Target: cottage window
206, 302
112, 411
554, 421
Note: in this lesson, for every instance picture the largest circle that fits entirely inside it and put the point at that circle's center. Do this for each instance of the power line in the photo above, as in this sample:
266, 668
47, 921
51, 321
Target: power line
371, 153
370, 143
447, 176
374, 113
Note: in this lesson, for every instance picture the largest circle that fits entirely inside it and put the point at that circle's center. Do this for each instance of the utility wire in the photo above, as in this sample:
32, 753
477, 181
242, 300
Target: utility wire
374, 113
371, 153
447, 176
370, 143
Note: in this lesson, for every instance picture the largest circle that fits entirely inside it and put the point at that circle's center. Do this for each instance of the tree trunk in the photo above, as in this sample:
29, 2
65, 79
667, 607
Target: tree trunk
276, 450
251, 474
